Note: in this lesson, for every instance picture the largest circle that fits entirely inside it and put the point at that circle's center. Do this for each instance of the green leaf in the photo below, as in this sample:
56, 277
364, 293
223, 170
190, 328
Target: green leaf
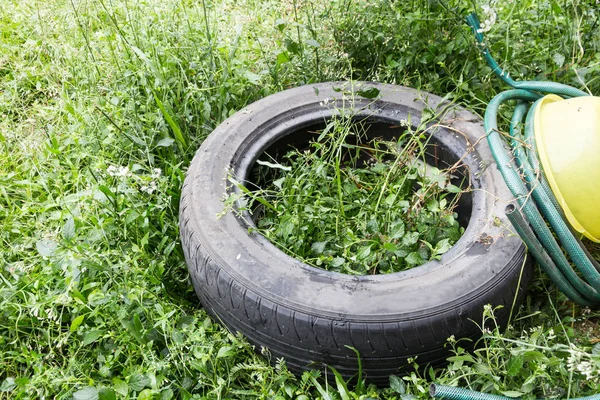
166, 394
121, 387
512, 393
87, 393
286, 227
442, 246
68, 230
369, 93
91, 336
324, 393
558, 59
76, 322
141, 55
253, 78
341, 384
109, 193
397, 230
280, 24
46, 247
318, 247
107, 394
282, 58
170, 121
145, 394
391, 247
401, 253
397, 384
337, 262
410, 238
556, 7
8, 384
373, 226
137, 323
135, 328
273, 165
414, 258
534, 355
313, 43
363, 252
514, 365
165, 142
225, 352
292, 46
453, 189
461, 358
138, 381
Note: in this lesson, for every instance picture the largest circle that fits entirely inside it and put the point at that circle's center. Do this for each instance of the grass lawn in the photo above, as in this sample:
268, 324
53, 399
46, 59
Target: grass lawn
103, 103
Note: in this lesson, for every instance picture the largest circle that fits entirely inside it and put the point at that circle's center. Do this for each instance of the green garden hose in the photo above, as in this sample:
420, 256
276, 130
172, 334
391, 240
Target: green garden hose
531, 190
454, 393
538, 219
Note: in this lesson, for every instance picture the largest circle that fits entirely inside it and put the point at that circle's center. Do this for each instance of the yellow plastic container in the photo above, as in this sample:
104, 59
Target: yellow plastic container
567, 135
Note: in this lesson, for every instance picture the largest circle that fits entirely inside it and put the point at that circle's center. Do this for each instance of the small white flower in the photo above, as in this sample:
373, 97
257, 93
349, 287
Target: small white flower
543, 367
150, 188
587, 369
490, 20
118, 172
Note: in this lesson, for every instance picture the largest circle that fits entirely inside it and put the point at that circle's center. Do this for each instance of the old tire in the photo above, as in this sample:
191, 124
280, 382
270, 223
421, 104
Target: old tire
310, 316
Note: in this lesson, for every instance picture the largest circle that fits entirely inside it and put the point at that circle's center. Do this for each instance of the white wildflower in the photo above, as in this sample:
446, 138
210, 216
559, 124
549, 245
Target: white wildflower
149, 188
543, 367
118, 172
587, 369
489, 21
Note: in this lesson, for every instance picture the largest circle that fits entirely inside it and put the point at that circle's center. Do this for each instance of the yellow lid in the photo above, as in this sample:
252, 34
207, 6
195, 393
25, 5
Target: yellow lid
567, 135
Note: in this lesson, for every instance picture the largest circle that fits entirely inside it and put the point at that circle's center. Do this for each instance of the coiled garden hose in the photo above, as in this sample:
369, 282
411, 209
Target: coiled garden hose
538, 209
454, 393
530, 188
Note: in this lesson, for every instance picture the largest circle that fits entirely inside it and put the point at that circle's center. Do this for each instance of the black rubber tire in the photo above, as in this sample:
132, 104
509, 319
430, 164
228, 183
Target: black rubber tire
308, 315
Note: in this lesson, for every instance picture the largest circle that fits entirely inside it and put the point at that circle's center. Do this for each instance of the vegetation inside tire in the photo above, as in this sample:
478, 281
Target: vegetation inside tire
352, 201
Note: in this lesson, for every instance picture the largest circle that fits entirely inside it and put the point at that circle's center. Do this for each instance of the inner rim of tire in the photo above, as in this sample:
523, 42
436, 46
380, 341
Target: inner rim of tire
437, 154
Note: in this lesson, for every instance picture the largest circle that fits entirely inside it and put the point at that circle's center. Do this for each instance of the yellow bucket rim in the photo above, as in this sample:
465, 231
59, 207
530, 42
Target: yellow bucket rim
547, 166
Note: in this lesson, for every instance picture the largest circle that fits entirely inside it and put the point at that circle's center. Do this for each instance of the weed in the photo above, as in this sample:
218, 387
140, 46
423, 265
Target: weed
357, 205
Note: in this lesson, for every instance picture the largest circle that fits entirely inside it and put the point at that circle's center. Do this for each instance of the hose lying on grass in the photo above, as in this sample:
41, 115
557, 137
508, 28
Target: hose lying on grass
454, 393
538, 206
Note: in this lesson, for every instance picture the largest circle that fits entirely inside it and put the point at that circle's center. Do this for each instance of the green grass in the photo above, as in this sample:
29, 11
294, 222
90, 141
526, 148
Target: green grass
94, 296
